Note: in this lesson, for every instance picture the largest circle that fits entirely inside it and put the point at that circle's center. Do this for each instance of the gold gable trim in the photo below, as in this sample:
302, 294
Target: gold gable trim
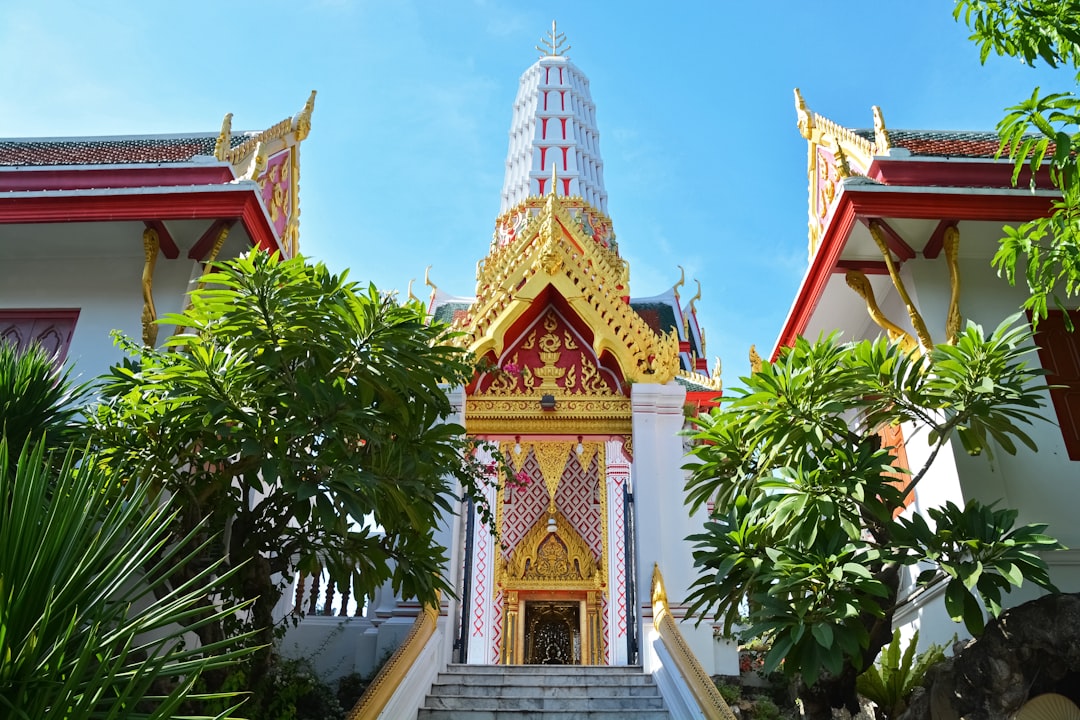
535, 565
553, 252
850, 152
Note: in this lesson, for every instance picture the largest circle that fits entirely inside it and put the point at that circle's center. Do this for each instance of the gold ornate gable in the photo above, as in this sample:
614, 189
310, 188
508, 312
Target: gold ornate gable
549, 359
834, 152
553, 251
545, 560
271, 158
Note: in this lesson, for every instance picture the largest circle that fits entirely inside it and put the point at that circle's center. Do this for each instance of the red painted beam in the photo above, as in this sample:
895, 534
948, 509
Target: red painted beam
235, 202
202, 246
168, 245
867, 267
896, 244
954, 172
937, 239
926, 204
88, 177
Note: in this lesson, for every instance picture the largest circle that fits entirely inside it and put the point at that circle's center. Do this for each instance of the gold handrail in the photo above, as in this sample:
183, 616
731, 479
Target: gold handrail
386, 683
701, 685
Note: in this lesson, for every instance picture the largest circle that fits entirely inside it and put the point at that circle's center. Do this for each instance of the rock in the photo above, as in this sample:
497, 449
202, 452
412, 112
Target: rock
1031, 649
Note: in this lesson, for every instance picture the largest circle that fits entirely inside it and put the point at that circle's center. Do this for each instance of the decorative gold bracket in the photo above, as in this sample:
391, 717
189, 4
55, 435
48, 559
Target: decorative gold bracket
151, 247
916, 319
858, 282
951, 246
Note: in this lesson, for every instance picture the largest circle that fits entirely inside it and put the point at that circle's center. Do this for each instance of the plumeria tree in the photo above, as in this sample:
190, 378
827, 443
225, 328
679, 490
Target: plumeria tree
1041, 131
303, 417
806, 543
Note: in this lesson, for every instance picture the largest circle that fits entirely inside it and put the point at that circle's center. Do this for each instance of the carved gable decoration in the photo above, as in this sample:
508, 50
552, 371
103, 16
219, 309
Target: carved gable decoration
550, 358
551, 560
277, 191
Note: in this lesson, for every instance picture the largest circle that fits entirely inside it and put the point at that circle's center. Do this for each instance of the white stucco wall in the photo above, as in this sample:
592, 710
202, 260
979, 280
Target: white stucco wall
107, 291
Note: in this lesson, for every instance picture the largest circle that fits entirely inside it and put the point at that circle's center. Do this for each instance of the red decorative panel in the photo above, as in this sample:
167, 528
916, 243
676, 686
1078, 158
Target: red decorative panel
892, 437
578, 499
1059, 352
276, 187
52, 329
550, 356
523, 507
497, 628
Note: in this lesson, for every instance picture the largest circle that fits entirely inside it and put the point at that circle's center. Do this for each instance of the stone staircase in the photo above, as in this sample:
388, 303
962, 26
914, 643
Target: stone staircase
543, 692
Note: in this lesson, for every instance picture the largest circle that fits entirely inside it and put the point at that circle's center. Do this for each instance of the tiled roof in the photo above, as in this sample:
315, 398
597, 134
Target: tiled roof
448, 312
659, 316
109, 150
942, 143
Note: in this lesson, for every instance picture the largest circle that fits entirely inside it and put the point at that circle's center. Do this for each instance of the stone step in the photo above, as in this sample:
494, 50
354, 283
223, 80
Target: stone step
549, 701
443, 686
546, 680
543, 692
429, 714
605, 670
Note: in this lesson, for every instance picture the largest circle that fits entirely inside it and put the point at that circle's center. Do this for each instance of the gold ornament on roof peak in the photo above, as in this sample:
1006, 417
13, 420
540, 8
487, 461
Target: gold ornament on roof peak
881, 133
553, 43
682, 280
805, 119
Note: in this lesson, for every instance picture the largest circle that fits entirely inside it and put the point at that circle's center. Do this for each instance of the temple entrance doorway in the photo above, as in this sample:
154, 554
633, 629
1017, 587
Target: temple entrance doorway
552, 632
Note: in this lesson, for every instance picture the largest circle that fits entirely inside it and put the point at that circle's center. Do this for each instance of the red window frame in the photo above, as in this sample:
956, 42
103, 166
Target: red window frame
1059, 353
53, 328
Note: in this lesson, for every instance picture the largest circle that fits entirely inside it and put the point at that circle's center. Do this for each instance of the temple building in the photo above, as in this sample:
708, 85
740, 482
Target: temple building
585, 392
107, 233
903, 225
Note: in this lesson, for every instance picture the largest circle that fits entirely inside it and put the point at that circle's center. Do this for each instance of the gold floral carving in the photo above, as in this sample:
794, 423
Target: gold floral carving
151, 246
551, 561
574, 415
951, 246
851, 155
553, 251
552, 457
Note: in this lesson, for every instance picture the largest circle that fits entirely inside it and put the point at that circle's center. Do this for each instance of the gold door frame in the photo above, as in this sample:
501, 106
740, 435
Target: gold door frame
524, 579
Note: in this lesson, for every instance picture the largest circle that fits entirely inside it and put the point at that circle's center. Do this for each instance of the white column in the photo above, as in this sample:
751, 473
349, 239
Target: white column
480, 629
617, 467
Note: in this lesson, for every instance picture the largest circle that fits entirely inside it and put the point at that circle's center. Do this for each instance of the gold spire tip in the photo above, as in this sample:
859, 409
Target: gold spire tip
553, 43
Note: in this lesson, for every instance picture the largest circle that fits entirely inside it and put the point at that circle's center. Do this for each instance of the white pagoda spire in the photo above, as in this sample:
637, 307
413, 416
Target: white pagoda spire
554, 124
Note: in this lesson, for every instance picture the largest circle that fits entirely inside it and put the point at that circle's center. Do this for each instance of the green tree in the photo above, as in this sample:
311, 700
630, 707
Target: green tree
806, 537
82, 635
301, 416
1042, 130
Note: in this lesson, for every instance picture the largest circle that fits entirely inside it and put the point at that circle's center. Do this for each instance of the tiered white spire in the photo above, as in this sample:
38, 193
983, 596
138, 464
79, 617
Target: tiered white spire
554, 124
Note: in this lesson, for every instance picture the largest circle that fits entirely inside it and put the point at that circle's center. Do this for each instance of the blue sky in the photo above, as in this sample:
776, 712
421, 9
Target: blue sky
703, 164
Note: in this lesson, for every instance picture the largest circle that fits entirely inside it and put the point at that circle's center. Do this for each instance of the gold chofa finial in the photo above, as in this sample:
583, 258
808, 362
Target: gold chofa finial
553, 43
881, 134
805, 119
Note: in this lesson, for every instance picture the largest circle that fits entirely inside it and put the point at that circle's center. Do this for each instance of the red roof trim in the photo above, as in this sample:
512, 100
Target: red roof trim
877, 201
953, 172
233, 201
86, 178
